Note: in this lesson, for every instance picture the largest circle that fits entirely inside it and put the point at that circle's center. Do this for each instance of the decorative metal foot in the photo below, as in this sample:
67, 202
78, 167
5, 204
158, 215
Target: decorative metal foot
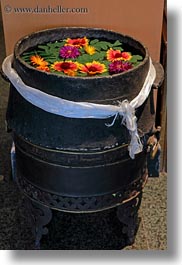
127, 214
40, 217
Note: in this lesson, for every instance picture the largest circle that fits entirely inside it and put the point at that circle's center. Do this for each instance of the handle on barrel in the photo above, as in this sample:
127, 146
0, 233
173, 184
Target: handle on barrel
159, 75
157, 83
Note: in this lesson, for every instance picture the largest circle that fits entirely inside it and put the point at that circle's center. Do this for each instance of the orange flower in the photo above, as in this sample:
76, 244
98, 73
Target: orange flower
43, 68
117, 55
126, 56
71, 73
114, 55
79, 43
93, 68
67, 67
37, 60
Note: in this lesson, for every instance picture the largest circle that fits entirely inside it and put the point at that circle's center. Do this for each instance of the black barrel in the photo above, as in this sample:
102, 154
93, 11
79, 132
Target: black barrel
59, 157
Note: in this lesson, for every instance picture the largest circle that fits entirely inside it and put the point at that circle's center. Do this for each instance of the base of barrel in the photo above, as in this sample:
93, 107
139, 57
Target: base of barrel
40, 203
41, 216
81, 204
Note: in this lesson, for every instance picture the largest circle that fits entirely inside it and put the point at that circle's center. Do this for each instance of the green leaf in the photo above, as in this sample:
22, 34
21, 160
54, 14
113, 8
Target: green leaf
117, 43
43, 47
102, 45
110, 45
139, 58
135, 64
135, 58
106, 63
97, 47
26, 58
56, 44
81, 74
99, 56
82, 51
105, 45
57, 72
94, 42
49, 49
51, 61
27, 61
85, 58
26, 55
105, 73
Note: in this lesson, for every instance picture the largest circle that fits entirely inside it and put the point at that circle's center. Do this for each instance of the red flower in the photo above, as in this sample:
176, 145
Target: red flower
126, 56
67, 67
93, 68
79, 43
117, 55
114, 55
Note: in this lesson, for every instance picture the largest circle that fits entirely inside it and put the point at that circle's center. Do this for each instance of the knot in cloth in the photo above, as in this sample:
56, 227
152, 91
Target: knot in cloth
129, 120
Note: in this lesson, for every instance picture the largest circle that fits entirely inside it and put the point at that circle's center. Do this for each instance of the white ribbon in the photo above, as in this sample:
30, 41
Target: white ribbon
72, 109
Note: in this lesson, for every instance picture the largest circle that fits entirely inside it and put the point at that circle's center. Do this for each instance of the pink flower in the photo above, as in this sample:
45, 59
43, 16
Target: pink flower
119, 67
69, 52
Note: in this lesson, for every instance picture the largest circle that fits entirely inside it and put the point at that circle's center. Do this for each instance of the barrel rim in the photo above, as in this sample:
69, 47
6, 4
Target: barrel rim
73, 78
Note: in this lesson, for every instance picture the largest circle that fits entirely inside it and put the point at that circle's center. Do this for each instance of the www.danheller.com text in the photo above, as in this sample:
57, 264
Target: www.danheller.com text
46, 10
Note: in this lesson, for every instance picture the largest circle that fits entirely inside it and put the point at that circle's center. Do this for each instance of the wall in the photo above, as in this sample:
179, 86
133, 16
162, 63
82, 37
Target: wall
141, 19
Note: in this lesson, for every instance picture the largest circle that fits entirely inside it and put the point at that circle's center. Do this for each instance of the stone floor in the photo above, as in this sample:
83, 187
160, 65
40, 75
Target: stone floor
101, 231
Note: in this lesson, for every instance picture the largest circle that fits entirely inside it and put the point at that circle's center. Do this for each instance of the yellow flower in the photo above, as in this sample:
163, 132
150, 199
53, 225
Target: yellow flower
90, 49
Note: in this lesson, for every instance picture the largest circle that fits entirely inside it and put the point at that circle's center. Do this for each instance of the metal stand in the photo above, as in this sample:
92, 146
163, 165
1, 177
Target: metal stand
127, 214
40, 217
127, 203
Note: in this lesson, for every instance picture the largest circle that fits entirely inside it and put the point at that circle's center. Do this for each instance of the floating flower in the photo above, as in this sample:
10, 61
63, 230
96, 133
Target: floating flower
79, 43
43, 68
126, 56
69, 52
71, 73
93, 68
114, 55
119, 67
38, 60
67, 67
89, 49
92, 54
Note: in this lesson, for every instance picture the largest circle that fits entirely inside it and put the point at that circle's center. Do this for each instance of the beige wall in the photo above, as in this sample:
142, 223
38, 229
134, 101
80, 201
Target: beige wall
141, 19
